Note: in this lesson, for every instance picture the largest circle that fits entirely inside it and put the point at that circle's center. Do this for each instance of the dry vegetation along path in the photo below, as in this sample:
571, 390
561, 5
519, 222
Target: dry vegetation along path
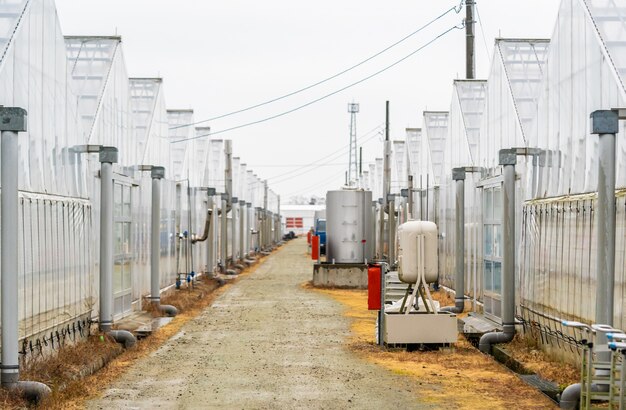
265, 343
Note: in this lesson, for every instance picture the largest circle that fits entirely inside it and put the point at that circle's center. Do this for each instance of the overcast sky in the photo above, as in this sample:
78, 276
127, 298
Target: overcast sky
220, 56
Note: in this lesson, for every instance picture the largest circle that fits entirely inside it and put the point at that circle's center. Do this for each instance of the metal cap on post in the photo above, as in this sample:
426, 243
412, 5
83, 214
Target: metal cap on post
108, 155
157, 172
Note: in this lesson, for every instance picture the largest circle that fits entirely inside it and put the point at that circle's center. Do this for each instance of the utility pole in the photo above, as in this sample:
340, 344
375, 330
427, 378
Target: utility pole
470, 66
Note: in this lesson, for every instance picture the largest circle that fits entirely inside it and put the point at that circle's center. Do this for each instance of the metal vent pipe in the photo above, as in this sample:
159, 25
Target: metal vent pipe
604, 123
12, 121
508, 160
458, 176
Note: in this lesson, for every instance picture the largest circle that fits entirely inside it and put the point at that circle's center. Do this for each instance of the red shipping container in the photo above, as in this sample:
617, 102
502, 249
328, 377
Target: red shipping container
373, 287
315, 247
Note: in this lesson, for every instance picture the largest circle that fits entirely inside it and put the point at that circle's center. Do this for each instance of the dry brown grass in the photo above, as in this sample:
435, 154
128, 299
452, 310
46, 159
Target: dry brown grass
524, 349
456, 378
65, 373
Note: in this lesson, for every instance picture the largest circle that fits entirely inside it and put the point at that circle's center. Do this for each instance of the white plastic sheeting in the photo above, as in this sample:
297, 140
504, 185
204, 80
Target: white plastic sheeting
76, 91
466, 111
583, 72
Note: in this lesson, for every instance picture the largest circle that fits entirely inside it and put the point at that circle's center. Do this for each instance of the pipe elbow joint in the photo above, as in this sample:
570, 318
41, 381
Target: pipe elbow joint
570, 397
168, 310
123, 337
34, 392
489, 339
459, 307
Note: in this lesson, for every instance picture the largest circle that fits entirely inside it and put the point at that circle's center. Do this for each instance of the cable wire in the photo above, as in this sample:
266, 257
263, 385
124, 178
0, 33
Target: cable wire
456, 9
480, 23
282, 114
328, 159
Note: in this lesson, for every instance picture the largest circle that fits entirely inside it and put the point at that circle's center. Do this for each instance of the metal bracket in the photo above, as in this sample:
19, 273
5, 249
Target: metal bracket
86, 149
508, 156
13, 119
157, 172
605, 121
108, 154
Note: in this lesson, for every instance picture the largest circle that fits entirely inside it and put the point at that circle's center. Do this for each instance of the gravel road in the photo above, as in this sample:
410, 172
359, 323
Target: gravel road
265, 343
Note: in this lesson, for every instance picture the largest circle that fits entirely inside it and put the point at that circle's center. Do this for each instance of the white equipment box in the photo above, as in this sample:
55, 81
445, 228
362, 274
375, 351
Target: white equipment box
420, 328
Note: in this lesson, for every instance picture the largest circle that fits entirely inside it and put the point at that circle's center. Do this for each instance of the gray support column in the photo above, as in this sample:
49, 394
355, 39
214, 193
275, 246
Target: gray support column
157, 174
13, 121
381, 231
411, 213
391, 230
242, 229
508, 248
233, 228
605, 123
249, 227
508, 160
458, 175
224, 233
279, 232
108, 157
210, 241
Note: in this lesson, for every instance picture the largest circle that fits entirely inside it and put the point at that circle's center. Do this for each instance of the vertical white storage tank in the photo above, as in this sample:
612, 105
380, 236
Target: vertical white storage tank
348, 226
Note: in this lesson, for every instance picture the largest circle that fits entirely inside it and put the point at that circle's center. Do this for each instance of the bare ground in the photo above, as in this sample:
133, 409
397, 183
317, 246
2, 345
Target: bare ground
268, 342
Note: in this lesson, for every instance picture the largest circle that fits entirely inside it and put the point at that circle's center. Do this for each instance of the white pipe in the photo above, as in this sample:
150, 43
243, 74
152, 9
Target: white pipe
9, 218
12, 121
108, 156
157, 174
508, 161
605, 123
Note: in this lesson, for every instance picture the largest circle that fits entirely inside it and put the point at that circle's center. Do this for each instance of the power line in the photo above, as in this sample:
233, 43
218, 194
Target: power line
480, 23
282, 114
456, 9
333, 156
317, 184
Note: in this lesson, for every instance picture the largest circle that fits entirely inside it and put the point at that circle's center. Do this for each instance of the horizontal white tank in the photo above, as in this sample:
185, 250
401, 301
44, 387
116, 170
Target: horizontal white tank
407, 251
348, 226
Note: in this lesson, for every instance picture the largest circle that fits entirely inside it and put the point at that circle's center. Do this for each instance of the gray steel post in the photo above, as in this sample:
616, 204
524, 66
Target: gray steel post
391, 250
210, 240
508, 248
13, 120
242, 228
249, 227
234, 216
381, 231
459, 283
224, 232
157, 173
108, 156
508, 160
410, 214
605, 123
265, 236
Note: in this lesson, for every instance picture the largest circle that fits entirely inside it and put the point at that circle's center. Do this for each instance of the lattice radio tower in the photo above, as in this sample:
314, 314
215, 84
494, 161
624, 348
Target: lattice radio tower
353, 169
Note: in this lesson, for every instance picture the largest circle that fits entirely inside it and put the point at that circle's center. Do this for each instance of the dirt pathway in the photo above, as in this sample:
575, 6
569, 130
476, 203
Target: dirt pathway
265, 343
